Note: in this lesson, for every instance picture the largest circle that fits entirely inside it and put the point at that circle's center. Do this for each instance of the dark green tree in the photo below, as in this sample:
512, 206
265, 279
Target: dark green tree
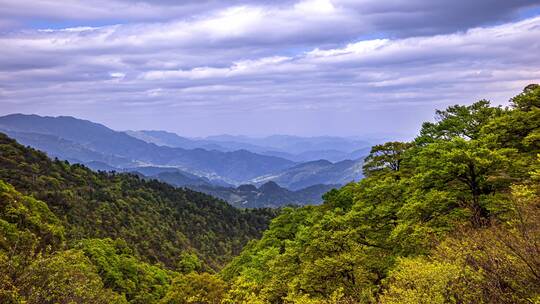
385, 157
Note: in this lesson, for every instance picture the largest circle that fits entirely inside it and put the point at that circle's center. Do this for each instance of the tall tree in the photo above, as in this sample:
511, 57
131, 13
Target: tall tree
385, 157
458, 121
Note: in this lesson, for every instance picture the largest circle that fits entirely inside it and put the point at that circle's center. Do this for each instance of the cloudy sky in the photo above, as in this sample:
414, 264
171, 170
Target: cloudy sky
307, 67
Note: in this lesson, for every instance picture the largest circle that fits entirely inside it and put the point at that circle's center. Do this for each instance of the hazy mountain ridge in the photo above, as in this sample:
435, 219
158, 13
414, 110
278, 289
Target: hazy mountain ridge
268, 195
66, 149
294, 148
231, 166
316, 172
296, 144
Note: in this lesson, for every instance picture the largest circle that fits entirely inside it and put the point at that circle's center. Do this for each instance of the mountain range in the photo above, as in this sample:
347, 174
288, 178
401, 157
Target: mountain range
295, 148
234, 166
267, 195
216, 165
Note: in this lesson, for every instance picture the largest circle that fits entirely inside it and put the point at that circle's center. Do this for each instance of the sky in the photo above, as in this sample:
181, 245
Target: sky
306, 67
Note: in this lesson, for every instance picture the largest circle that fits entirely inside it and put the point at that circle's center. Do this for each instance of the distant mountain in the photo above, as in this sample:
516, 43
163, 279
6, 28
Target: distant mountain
269, 195
233, 166
296, 144
181, 179
169, 139
315, 172
68, 150
170, 175
100, 166
331, 155
294, 148
101, 148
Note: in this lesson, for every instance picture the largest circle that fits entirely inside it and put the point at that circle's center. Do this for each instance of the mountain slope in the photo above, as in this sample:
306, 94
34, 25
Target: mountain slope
328, 154
157, 220
68, 150
269, 195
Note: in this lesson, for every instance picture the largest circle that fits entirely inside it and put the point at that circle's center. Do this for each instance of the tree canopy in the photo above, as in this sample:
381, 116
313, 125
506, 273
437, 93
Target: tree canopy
451, 217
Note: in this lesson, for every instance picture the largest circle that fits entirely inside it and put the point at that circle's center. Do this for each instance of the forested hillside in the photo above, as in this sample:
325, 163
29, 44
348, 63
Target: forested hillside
157, 220
452, 217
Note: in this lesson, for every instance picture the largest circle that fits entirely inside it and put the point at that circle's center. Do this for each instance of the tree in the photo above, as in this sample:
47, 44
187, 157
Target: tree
384, 157
125, 274
458, 121
66, 277
468, 171
519, 127
528, 99
418, 281
195, 288
189, 262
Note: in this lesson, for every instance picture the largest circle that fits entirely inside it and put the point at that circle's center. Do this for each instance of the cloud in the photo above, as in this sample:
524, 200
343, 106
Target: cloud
305, 65
397, 18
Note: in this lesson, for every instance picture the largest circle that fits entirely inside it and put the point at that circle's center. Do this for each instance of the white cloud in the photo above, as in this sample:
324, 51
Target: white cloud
360, 47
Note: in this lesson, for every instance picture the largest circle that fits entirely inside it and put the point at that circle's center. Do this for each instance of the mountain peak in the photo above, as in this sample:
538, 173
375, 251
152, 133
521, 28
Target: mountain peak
270, 186
246, 188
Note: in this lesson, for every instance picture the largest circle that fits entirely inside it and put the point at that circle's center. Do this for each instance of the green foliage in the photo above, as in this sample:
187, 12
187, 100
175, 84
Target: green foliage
34, 268
189, 262
496, 264
434, 221
458, 121
462, 175
528, 100
66, 277
195, 288
386, 157
27, 215
158, 221
125, 274
75, 236
415, 280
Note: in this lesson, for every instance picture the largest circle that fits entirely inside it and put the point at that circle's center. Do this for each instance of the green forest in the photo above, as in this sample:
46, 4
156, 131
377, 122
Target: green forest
450, 217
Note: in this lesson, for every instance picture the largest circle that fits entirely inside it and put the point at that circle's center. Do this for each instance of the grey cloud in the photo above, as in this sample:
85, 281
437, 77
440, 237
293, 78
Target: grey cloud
397, 18
200, 78
419, 17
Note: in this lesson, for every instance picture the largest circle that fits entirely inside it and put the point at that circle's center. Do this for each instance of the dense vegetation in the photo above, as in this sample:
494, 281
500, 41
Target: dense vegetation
70, 234
157, 220
451, 217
